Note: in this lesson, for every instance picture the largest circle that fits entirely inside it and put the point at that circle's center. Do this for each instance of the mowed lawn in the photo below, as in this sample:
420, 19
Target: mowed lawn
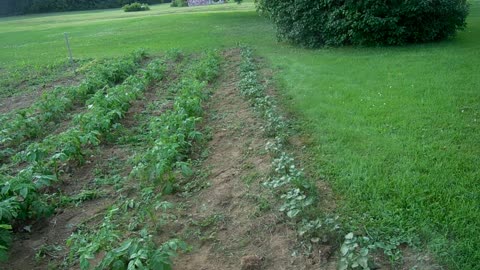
39, 39
396, 130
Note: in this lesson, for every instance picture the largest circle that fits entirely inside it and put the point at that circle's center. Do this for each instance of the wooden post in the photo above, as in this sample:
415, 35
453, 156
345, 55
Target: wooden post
68, 47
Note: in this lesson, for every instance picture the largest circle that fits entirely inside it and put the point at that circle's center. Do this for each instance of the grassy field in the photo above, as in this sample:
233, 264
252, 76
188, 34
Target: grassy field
38, 39
397, 130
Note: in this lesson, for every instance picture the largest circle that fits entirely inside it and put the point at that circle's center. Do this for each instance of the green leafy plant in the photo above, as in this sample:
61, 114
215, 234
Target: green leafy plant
297, 192
136, 250
175, 130
33, 122
5, 239
84, 244
142, 253
136, 6
179, 3
21, 196
354, 252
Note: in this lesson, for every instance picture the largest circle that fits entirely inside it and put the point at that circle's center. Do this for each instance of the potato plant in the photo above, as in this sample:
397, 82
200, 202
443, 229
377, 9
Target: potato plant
175, 130
138, 250
52, 106
20, 196
297, 191
173, 133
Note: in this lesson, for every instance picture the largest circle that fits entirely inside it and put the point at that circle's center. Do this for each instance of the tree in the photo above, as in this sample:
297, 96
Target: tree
15, 7
314, 23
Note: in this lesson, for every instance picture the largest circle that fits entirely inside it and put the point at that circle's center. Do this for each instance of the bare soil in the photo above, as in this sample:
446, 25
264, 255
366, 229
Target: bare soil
8, 104
234, 223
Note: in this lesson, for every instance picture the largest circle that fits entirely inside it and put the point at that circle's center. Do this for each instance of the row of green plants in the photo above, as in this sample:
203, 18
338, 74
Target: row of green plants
21, 195
125, 235
33, 122
175, 130
357, 245
299, 194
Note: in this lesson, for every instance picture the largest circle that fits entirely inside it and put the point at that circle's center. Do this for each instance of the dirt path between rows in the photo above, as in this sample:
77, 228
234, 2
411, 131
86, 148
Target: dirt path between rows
235, 219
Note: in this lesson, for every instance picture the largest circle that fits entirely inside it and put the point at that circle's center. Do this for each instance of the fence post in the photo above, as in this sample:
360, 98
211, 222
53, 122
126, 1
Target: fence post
68, 47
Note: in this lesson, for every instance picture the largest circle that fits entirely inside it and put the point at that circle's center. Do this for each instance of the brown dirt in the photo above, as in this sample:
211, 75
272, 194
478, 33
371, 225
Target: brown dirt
243, 236
301, 142
8, 104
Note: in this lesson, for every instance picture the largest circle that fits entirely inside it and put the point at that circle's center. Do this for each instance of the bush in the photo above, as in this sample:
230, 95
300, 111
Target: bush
369, 22
179, 3
136, 7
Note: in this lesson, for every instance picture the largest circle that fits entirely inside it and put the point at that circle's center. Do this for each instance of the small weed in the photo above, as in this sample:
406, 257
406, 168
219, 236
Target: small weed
114, 180
83, 196
205, 229
263, 204
209, 221
195, 185
251, 177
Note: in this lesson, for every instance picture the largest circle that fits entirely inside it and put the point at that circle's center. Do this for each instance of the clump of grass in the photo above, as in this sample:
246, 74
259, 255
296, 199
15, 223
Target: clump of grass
179, 3
136, 6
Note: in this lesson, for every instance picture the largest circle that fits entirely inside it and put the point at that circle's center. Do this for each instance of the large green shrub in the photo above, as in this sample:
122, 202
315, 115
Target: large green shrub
365, 22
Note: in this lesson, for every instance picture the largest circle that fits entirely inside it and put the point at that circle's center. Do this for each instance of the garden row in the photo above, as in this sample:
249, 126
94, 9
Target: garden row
31, 123
21, 195
298, 192
299, 195
359, 247
125, 235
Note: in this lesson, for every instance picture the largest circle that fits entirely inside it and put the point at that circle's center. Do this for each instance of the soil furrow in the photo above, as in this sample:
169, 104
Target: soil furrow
234, 223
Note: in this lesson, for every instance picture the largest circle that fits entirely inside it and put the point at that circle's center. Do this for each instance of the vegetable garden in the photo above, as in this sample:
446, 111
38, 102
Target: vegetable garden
271, 157
152, 114
37, 154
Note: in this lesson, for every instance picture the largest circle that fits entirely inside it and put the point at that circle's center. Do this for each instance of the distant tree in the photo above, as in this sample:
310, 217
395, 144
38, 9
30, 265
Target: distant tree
16, 7
314, 23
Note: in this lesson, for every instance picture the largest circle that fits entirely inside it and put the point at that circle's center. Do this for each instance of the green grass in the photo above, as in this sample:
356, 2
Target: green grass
398, 135
37, 39
397, 129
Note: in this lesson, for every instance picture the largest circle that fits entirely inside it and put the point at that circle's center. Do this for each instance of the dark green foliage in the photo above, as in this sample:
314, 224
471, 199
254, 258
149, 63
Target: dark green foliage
135, 7
14, 7
369, 22
179, 3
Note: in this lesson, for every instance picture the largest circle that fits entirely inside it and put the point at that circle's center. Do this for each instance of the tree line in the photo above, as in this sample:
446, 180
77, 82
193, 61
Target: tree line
19, 7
